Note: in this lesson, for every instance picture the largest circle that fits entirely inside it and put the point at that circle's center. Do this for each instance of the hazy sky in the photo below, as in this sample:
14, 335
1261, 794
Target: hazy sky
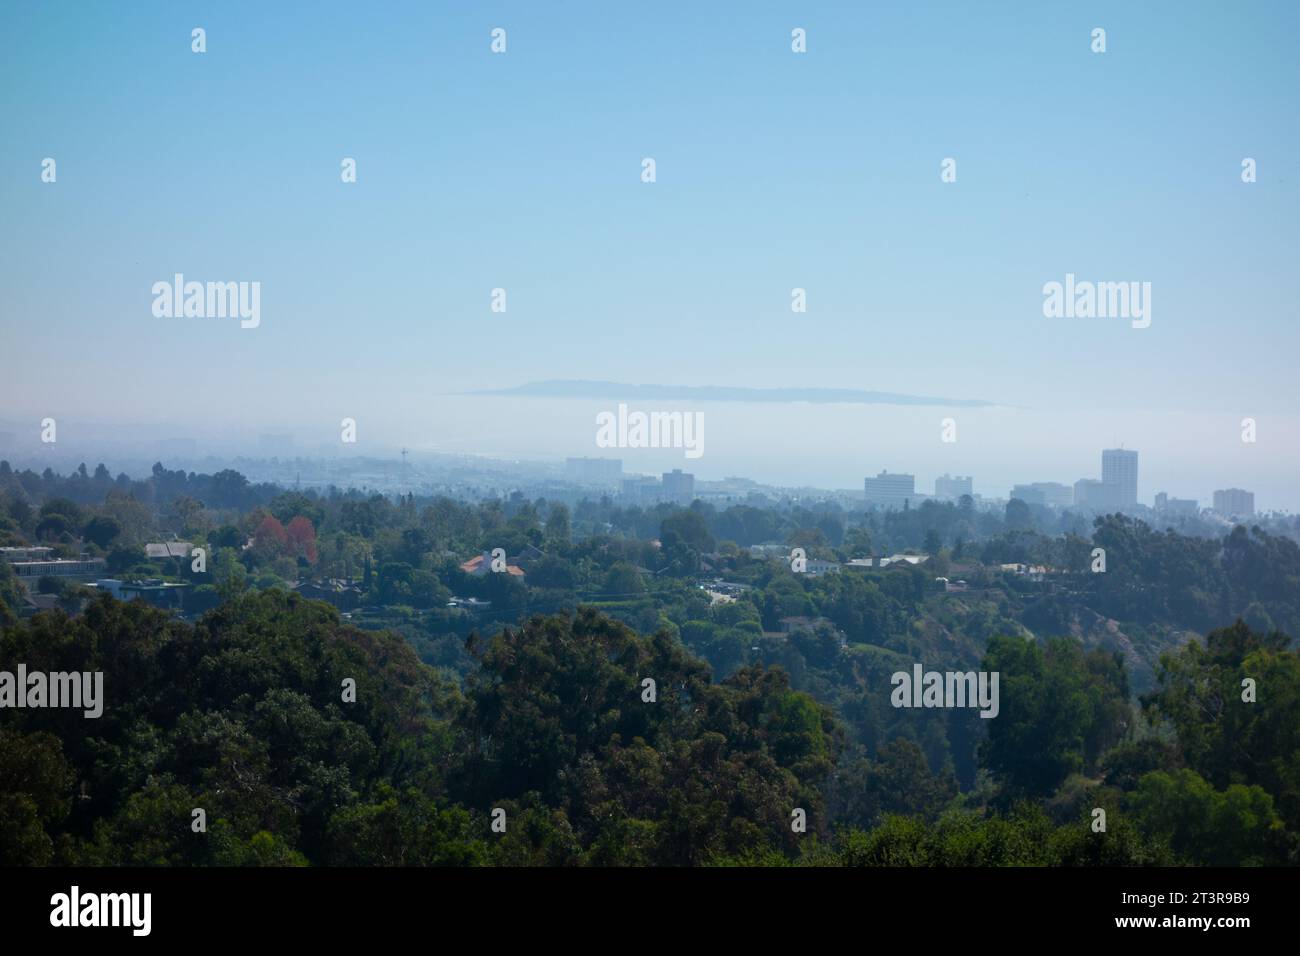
774, 170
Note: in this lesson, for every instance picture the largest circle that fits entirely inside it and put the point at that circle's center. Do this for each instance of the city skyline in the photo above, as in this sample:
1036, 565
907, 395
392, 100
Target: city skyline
887, 489
818, 186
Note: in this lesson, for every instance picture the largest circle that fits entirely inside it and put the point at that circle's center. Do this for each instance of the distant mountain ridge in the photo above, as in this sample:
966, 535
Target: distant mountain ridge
579, 388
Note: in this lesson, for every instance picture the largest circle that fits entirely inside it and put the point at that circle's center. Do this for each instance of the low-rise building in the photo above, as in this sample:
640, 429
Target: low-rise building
952, 487
1095, 494
1035, 572
26, 554
1048, 493
594, 472
83, 567
340, 592
34, 602
471, 604
110, 586
816, 567
902, 559
482, 564
1028, 494
166, 550
1177, 506
642, 490
168, 595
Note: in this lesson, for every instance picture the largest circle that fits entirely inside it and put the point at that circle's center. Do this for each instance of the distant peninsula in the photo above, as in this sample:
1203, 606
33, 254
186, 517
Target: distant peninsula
579, 388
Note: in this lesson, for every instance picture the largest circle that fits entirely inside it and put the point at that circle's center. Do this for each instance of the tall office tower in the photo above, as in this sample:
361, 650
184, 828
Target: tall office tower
890, 491
1119, 469
952, 487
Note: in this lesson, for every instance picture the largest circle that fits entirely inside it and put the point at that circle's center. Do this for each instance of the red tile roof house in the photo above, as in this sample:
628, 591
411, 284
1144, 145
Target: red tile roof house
483, 565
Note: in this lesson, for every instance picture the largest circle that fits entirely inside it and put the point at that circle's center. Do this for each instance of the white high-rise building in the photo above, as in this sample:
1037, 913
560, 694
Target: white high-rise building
1234, 503
1119, 469
890, 491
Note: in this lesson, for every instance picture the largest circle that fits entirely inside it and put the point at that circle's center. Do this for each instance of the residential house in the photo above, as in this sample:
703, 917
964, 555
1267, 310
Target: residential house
482, 564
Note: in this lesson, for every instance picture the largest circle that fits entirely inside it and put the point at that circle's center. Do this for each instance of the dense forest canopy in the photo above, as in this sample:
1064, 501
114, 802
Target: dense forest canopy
241, 714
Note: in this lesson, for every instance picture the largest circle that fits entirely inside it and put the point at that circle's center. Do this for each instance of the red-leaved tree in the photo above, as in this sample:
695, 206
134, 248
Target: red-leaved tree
302, 538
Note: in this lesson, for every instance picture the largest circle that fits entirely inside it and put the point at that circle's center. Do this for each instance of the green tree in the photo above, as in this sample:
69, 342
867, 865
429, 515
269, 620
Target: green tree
35, 797
1223, 737
1234, 827
1059, 708
101, 530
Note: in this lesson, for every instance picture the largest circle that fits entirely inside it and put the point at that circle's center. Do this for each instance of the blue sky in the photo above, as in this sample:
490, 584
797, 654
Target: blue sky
775, 170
